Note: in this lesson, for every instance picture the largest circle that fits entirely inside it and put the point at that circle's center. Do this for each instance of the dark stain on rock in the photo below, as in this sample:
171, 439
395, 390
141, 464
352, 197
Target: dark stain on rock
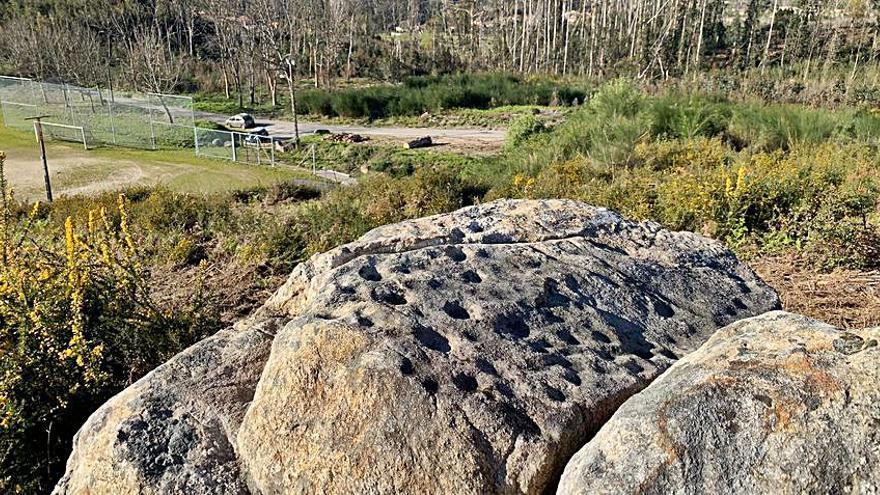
571, 376
662, 308
469, 336
667, 353
566, 336
634, 367
471, 277
631, 335
406, 366
519, 421
155, 441
486, 367
540, 346
767, 401
848, 343
556, 360
430, 385
455, 253
554, 393
504, 389
606, 247
550, 297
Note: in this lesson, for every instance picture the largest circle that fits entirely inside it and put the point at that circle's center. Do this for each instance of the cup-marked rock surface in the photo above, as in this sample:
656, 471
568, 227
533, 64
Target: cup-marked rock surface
779, 403
471, 352
475, 352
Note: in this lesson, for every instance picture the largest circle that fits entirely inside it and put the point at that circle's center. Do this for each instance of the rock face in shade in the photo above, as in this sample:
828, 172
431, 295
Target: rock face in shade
472, 352
774, 404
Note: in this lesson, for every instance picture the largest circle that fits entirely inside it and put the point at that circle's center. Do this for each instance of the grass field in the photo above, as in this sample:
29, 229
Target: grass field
74, 170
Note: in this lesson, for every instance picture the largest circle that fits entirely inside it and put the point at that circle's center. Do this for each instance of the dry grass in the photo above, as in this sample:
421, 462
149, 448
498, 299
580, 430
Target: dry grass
844, 298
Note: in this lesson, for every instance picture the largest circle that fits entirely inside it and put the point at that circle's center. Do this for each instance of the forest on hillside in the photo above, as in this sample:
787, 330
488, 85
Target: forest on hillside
250, 48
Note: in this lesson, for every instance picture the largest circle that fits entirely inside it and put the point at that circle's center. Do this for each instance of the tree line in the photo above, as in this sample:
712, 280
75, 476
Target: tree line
250, 49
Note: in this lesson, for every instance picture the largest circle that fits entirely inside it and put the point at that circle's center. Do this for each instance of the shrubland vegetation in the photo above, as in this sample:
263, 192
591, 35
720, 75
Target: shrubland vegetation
417, 95
90, 294
763, 178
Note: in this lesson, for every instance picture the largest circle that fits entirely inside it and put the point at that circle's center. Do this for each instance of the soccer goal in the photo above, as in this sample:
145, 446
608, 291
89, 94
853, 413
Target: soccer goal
65, 132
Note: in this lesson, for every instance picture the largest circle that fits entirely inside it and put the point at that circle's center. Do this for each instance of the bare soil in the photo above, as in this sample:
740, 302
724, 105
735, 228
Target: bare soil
844, 298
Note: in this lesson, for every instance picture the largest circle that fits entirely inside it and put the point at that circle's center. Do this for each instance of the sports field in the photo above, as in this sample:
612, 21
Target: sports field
74, 170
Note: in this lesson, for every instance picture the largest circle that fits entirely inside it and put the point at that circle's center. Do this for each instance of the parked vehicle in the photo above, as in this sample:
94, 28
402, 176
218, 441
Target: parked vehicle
257, 137
240, 121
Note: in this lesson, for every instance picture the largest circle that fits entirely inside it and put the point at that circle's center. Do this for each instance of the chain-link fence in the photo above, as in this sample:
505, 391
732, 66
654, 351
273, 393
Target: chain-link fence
235, 146
144, 121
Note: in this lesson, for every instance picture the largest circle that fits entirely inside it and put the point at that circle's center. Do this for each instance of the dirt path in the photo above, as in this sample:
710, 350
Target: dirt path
458, 138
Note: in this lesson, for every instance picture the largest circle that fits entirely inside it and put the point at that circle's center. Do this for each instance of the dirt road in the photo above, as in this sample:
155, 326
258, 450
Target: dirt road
476, 139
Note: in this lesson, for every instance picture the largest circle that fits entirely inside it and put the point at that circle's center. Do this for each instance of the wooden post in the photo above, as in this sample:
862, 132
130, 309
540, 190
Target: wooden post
38, 129
109, 74
291, 84
314, 161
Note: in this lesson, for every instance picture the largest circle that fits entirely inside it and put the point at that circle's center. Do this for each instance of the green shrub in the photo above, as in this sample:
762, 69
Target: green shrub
77, 323
422, 94
523, 128
617, 99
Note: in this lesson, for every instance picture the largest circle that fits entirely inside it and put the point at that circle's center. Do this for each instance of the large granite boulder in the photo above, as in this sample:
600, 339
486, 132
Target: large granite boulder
472, 352
779, 403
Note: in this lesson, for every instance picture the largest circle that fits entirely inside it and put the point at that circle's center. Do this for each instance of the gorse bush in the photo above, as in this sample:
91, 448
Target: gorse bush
77, 323
523, 128
433, 94
618, 98
821, 200
619, 116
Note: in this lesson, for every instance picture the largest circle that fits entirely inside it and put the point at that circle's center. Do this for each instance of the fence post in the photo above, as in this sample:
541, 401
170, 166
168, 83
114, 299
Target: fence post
314, 161
112, 124
3, 111
196, 139
67, 103
82, 129
232, 134
33, 85
152, 133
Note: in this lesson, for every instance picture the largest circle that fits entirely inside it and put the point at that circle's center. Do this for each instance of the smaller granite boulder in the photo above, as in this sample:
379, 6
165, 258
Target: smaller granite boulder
778, 403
